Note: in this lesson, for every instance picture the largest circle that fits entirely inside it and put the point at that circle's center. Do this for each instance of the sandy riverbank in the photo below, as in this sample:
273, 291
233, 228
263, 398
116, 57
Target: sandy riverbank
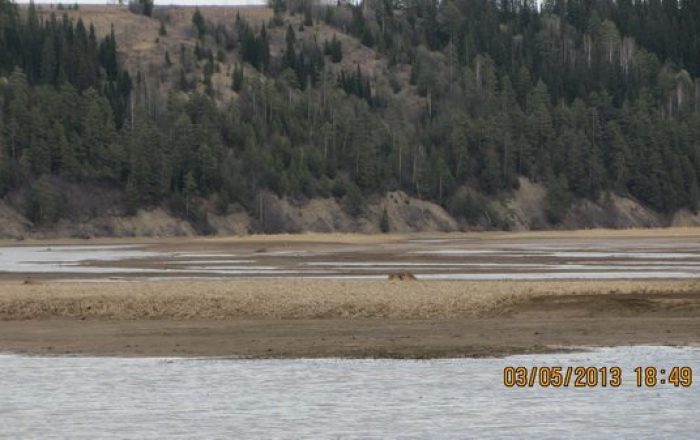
322, 318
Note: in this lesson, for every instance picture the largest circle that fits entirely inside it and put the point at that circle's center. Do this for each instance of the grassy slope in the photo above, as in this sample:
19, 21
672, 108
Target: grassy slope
142, 49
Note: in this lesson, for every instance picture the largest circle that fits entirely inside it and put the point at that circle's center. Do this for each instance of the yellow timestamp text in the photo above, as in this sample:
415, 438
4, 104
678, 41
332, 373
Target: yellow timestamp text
594, 377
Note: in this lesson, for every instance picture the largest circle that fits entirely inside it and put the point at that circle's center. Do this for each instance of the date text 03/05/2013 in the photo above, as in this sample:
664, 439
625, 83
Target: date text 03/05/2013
592, 377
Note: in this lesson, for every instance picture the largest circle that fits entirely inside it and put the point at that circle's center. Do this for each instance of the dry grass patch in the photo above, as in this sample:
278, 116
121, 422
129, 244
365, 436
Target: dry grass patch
295, 299
679, 231
354, 238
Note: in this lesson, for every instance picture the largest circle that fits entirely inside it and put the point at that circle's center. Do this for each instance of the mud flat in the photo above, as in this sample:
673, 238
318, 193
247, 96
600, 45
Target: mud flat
327, 295
579, 255
264, 318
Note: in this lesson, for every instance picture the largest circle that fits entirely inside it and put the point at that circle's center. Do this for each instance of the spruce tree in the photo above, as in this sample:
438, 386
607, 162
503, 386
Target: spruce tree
384, 221
238, 78
199, 23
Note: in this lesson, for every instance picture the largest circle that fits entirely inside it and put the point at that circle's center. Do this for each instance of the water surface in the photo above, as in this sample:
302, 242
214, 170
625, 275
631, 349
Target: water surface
458, 258
66, 397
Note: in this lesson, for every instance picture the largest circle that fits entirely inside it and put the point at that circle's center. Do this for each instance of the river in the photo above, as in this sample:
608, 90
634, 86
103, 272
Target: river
83, 397
477, 257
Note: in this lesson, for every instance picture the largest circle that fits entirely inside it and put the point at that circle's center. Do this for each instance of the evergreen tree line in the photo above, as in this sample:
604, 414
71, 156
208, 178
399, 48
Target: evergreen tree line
63, 96
61, 52
584, 95
568, 97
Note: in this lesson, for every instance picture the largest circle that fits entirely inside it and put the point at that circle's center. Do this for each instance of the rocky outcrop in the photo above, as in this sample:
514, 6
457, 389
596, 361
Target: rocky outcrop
152, 223
408, 214
237, 223
611, 211
685, 217
524, 209
12, 224
405, 214
145, 223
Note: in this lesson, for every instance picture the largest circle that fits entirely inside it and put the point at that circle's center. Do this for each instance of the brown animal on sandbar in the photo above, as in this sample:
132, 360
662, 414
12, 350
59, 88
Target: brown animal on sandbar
402, 276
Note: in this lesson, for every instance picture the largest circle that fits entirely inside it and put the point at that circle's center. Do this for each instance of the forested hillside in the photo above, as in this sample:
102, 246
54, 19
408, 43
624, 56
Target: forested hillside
452, 102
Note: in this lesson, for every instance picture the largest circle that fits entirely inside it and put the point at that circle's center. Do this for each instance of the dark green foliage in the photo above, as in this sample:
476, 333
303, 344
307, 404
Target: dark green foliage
307, 62
199, 23
355, 83
333, 49
469, 207
595, 97
384, 222
254, 49
45, 204
60, 52
238, 78
189, 192
558, 200
210, 67
199, 53
147, 7
144, 7
353, 200
184, 84
308, 20
279, 7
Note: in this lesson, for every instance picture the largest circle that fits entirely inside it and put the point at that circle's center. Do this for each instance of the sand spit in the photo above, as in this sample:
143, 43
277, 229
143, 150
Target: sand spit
338, 237
297, 299
334, 318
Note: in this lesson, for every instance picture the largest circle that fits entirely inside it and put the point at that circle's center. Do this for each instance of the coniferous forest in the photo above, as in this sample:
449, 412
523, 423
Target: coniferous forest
582, 96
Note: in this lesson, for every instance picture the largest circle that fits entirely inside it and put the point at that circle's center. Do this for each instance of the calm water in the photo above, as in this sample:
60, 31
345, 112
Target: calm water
67, 397
457, 258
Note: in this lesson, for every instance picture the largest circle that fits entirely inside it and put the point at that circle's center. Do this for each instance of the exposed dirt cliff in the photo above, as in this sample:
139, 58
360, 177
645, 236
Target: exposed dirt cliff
105, 215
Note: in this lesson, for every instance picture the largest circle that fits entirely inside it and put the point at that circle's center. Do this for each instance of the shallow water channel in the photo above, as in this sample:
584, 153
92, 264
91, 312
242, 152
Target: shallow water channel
79, 397
430, 259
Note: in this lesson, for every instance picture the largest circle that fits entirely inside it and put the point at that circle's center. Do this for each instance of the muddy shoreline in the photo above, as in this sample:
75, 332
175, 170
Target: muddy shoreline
536, 322
592, 288
585, 255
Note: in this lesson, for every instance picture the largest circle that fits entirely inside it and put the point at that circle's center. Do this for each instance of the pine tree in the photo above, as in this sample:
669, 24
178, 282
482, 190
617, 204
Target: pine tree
199, 23
48, 62
333, 49
4, 165
384, 222
238, 78
366, 155
353, 200
190, 191
147, 6
308, 20
290, 55
45, 205
541, 129
558, 199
